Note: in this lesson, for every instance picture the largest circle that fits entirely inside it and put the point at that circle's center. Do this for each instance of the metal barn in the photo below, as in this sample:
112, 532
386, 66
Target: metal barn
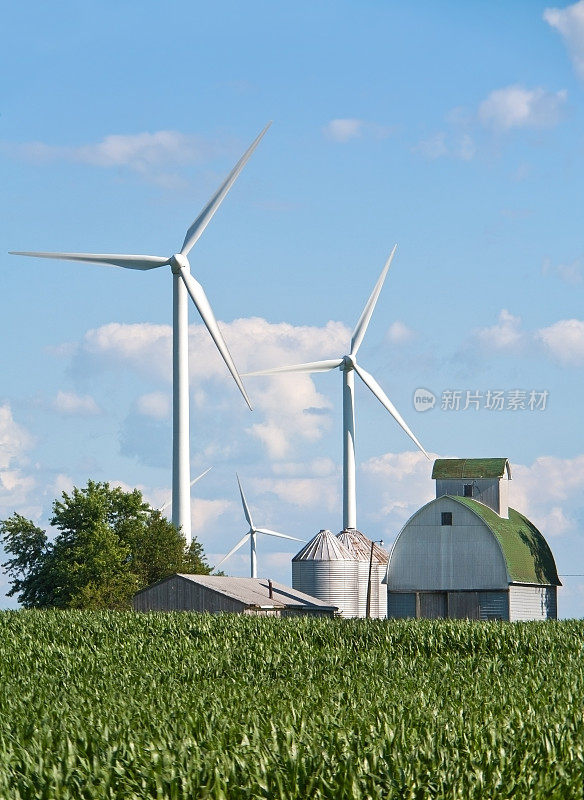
326, 569
215, 594
466, 554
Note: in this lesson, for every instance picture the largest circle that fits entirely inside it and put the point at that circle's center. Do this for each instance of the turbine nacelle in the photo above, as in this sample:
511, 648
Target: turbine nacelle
348, 363
177, 262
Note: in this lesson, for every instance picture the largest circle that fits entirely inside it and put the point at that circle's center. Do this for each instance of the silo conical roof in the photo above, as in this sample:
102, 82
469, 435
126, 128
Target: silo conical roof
324, 547
360, 546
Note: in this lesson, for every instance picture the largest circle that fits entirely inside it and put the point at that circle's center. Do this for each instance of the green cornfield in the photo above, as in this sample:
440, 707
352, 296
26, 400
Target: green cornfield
122, 705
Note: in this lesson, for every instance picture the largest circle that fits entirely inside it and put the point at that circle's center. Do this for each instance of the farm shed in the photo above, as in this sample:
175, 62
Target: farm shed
466, 554
215, 594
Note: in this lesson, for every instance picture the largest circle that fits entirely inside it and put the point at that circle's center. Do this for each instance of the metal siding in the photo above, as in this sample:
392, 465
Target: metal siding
490, 491
334, 582
493, 605
401, 605
431, 556
532, 602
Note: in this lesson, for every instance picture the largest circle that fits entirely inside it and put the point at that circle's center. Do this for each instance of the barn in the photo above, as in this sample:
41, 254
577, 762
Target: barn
467, 554
215, 594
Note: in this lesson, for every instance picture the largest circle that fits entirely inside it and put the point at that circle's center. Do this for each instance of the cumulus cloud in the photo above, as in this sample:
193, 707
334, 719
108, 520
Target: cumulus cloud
140, 152
454, 145
548, 491
564, 341
571, 273
399, 333
72, 404
154, 404
311, 492
290, 408
205, 512
505, 335
518, 107
348, 128
569, 22
15, 441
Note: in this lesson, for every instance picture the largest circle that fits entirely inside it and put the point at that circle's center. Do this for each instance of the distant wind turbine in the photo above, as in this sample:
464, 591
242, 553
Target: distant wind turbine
195, 480
348, 366
183, 283
251, 535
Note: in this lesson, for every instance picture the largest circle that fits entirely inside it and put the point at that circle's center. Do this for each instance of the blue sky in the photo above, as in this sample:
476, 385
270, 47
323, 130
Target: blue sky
453, 129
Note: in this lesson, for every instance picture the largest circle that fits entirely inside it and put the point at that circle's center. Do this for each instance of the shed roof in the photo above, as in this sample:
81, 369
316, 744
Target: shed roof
470, 468
526, 552
324, 547
360, 546
255, 591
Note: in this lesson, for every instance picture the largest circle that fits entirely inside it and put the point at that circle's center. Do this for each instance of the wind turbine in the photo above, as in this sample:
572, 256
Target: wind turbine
348, 366
192, 483
183, 282
251, 535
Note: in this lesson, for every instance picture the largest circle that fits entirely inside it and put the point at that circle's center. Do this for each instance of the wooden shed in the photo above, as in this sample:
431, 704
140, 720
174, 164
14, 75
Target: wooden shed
214, 594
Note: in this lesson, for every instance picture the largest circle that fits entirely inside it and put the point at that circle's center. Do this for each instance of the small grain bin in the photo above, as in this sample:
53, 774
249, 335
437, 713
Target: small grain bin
360, 546
326, 569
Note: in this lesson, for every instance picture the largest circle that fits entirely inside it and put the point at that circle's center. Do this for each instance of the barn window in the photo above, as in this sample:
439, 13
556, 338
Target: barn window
446, 518
468, 489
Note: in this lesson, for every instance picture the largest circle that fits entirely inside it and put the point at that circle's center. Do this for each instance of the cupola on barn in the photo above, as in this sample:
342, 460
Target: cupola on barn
466, 554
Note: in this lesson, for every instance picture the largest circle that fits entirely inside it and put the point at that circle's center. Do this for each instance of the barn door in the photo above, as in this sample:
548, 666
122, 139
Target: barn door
432, 605
463, 605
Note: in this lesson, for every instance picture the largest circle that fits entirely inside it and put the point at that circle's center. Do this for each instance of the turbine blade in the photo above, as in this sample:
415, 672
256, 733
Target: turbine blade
275, 533
113, 259
361, 326
370, 382
313, 366
240, 543
201, 222
199, 298
246, 510
195, 480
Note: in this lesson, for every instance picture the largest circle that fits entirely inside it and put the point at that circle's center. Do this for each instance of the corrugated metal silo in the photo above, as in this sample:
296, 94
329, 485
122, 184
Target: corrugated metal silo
360, 546
326, 569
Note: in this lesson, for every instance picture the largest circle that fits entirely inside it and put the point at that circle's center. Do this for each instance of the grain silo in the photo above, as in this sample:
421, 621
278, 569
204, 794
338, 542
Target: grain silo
360, 546
466, 554
326, 569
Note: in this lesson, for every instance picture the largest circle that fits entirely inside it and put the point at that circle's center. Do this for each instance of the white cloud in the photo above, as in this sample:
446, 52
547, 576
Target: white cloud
569, 22
73, 404
344, 130
15, 441
318, 492
518, 107
564, 341
505, 335
399, 333
290, 409
454, 145
140, 152
546, 491
205, 512
571, 273
154, 404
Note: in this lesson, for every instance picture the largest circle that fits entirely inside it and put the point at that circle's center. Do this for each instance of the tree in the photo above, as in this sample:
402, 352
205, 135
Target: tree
109, 544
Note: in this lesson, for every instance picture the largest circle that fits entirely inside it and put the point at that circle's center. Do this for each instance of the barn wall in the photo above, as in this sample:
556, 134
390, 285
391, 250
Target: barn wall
532, 602
490, 491
434, 557
454, 605
179, 594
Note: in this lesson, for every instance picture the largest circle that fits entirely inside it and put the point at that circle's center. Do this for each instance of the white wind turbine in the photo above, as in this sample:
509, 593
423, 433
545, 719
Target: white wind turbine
348, 366
251, 535
183, 282
192, 483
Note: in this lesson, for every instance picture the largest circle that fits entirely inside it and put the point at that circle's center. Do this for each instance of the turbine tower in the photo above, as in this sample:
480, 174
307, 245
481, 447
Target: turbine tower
183, 282
348, 366
251, 535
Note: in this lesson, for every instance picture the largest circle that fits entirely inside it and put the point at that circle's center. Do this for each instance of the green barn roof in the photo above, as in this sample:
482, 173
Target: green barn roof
526, 552
470, 468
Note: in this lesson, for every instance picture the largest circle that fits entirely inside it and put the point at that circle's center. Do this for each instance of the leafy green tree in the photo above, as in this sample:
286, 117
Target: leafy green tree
108, 545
